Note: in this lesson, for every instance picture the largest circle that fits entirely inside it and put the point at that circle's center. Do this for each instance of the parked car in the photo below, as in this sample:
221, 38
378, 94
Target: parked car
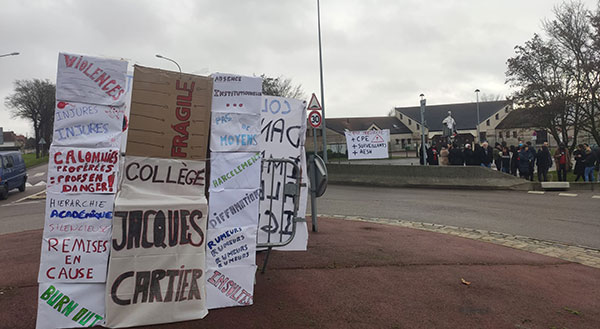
13, 173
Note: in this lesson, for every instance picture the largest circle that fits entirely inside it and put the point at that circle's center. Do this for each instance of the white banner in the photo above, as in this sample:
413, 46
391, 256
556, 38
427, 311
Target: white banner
234, 132
233, 208
87, 125
157, 264
236, 93
82, 170
166, 178
76, 238
367, 144
230, 286
63, 305
231, 246
91, 80
234, 171
283, 134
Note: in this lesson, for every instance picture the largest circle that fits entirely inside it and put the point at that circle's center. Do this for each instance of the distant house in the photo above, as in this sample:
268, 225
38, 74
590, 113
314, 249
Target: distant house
400, 135
522, 125
11, 140
465, 115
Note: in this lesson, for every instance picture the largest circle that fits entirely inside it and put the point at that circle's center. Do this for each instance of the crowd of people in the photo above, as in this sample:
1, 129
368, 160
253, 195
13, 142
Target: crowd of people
521, 160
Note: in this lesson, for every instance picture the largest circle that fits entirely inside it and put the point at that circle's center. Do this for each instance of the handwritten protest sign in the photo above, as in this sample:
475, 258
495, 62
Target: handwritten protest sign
235, 171
282, 136
87, 125
230, 286
170, 114
76, 238
90, 80
168, 178
77, 170
231, 208
156, 272
231, 246
233, 132
236, 93
63, 305
367, 144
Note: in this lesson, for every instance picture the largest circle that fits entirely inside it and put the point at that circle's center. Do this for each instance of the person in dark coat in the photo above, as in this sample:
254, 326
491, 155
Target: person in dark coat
505, 160
562, 161
533, 159
421, 160
514, 162
455, 156
433, 156
589, 162
498, 156
469, 156
485, 154
544, 162
524, 162
579, 168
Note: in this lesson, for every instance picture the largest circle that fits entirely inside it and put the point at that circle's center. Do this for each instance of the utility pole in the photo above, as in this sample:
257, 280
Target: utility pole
423, 149
323, 125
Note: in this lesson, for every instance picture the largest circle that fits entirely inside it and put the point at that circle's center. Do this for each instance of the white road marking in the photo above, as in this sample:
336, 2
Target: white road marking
40, 183
20, 203
29, 196
567, 194
28, 184
38, 174
536, 192
595, 196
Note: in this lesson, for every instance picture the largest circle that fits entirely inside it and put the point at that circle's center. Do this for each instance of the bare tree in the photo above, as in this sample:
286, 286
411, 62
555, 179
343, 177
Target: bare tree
35, 100
281, 87
490, 97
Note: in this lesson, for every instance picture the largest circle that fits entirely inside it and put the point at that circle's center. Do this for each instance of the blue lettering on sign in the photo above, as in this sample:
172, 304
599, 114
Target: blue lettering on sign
239, 139
82, 130
275, 106
83, 214
222, 119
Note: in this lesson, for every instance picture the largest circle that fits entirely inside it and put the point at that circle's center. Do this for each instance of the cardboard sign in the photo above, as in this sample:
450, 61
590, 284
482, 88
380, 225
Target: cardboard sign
87, 125
170, 114
232, 208
82, 170
367, 144
63, 305
234, 132
230, 286
157, 264
91, 80
234, 171
282, 137
76, 238
166, 178
231, 246
236, 93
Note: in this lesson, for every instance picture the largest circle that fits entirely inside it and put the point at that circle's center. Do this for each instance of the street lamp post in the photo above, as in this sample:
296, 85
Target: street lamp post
323, 125
423, 149
478, 133
163, 57
11, 54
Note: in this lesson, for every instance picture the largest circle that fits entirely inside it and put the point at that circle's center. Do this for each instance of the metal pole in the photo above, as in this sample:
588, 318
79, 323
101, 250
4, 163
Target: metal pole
323, 125
423, 150
313, 192
163, 57
11, 54
478, 133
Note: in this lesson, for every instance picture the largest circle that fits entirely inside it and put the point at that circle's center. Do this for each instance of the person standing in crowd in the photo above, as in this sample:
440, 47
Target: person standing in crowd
562, 161
579, 169
505, 160
469, 156
597, 152
433, 156
421, 156
485, 154
455, 156
444, 153
544, 162
533, 157
589, 162
524, 161
497, 156
514, 160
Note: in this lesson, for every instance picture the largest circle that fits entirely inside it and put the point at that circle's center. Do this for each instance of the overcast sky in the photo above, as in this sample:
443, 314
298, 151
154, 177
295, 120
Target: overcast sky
376, 54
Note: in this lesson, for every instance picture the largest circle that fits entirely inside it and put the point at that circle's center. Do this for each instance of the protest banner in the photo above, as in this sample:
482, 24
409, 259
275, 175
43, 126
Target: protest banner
170, 114
76, 238
157, 265
62, 305
234, 132
87, 125
82, 170
230, 286
283, 127
367, 144
235, 171
91, 80
164, 177
232, 208
231, 246
236, 93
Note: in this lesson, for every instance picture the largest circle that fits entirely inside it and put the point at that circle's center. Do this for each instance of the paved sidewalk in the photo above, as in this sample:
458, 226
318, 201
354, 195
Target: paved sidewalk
359, 274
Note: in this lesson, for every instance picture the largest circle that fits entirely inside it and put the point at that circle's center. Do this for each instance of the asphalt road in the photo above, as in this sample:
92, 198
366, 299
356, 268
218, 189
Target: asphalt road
574, 220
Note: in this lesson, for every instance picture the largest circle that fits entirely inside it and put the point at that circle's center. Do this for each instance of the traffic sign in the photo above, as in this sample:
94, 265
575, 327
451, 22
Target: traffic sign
313, 104
315, 119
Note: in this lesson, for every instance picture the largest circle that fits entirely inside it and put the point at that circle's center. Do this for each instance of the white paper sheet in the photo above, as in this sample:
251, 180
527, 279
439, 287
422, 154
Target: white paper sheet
230, 286
235, 171
63, 305
367, 144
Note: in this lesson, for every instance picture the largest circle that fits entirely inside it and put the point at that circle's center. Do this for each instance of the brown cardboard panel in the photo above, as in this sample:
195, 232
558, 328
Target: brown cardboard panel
169, 118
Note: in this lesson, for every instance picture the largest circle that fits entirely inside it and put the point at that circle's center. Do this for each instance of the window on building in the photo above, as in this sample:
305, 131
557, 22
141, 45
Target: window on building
506, 110
497, 116
403, 142
397, 141
409, 122
418, 127
487, 123
401, 116
515, 134
408, 141
500, 135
